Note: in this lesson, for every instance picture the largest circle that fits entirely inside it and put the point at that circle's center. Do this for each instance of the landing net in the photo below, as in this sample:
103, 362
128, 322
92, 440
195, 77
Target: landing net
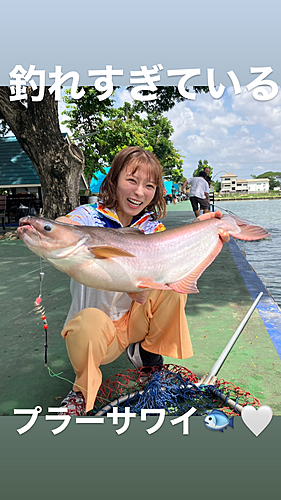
172, 387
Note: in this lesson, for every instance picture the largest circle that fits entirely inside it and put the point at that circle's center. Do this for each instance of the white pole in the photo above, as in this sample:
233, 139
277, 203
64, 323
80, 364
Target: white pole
231, 343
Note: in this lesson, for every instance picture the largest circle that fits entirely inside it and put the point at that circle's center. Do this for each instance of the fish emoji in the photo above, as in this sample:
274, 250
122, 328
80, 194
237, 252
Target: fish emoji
218, 421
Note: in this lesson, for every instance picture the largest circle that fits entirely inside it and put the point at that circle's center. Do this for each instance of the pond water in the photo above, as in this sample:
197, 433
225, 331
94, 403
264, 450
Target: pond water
265, 255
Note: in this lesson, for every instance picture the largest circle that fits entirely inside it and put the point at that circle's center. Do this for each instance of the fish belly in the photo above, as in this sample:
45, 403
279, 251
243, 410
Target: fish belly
181, 257
164, 263
107, 274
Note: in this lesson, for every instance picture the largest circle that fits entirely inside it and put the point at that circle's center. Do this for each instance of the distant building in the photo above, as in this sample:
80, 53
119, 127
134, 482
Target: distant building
258, 185
230, 184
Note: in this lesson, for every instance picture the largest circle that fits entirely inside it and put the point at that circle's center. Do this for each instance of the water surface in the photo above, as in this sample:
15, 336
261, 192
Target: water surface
265, 255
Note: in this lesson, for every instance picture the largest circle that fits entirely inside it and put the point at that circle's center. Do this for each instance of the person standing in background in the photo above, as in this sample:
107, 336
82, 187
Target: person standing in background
174, 194
199, 193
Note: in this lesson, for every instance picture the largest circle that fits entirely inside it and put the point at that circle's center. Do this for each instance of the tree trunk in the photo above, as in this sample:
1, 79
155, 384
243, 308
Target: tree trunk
59, 165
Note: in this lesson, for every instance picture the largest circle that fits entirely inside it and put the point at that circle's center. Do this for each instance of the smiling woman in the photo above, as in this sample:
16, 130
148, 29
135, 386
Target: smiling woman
134, 193
102, 324
135, 176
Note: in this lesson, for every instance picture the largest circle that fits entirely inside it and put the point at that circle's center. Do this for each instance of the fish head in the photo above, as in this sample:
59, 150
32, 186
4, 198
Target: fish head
210, 421
48, 238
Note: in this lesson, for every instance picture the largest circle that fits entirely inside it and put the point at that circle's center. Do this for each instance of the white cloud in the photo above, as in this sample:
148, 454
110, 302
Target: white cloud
228, 120
182, 119
235, 133
123, 96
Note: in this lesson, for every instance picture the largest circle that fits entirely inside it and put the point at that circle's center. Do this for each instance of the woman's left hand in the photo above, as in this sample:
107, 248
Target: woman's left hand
224, 236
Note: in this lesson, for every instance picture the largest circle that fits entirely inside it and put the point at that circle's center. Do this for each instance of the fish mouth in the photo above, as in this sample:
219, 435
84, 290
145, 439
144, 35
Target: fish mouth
27, 231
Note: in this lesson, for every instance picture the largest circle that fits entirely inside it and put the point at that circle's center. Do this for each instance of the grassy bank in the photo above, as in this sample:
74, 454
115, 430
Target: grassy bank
272, 195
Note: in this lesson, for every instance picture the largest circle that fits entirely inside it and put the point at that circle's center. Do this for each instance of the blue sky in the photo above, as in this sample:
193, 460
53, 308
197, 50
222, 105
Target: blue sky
235, 134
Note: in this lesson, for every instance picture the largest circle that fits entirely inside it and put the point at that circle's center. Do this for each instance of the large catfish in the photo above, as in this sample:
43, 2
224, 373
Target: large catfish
127, 260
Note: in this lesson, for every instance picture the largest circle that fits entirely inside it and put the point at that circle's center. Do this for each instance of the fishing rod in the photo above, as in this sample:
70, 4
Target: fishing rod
208, 379
228, 211
233, 213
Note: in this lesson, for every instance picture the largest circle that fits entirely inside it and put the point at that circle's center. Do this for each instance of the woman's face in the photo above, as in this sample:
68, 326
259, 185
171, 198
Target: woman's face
134, 192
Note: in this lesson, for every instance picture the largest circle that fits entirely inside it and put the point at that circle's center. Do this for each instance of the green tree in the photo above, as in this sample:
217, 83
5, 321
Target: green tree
104, 134
59, 165
166, 98
201, 165
177, 175
216, 185
159, 130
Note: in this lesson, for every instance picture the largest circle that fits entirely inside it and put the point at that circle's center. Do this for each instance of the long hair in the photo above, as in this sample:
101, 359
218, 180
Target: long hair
136, 157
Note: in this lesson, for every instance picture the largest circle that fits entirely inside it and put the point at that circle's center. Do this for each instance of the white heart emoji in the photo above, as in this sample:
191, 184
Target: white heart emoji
256, 420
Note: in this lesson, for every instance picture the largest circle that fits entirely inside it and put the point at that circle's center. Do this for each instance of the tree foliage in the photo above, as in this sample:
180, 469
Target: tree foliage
166, 98
217, 186
105, 130
201, 165
59, 165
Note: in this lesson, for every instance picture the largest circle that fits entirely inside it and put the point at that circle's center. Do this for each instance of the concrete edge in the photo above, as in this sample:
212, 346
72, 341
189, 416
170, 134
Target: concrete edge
269, 311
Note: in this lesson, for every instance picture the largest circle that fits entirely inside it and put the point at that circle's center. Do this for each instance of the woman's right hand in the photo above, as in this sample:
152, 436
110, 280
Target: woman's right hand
66, 220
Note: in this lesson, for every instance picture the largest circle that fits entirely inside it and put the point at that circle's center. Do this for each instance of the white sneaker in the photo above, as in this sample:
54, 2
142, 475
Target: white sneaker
134, 355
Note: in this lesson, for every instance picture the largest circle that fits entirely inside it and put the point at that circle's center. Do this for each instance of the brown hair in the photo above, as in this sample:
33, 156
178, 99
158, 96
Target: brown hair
137, 157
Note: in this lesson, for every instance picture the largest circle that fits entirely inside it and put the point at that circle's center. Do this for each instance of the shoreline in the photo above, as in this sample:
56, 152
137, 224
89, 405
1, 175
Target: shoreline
249, 199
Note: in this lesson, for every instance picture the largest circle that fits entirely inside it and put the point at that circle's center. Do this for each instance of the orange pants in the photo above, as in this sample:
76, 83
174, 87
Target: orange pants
92, 339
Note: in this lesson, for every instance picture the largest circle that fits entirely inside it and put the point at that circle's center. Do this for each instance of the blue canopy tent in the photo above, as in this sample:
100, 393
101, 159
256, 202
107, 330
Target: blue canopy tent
168, 186
96, 183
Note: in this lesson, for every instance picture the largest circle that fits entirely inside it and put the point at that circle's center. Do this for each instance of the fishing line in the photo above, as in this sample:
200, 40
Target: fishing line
40, 309
232, 213
228, 211
52, 374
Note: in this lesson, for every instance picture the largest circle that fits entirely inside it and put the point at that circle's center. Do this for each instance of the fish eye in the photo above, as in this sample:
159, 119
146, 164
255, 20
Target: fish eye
48, 227
210, 418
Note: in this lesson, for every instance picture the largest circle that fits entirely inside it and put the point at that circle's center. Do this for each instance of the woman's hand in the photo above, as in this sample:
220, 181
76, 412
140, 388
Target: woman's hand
66, 220
210, 215
224, 236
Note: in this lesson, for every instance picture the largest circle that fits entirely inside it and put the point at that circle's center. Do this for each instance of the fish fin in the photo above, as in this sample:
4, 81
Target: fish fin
108, 252
152, 284
231, 422
139, 297
221, 430
188, 283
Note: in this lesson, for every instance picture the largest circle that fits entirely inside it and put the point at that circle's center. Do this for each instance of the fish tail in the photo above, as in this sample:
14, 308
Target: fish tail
231, 422
243, 230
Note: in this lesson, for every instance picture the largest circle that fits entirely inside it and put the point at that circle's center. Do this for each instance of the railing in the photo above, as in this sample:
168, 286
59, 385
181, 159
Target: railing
212, 201
14, 212
3, 201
